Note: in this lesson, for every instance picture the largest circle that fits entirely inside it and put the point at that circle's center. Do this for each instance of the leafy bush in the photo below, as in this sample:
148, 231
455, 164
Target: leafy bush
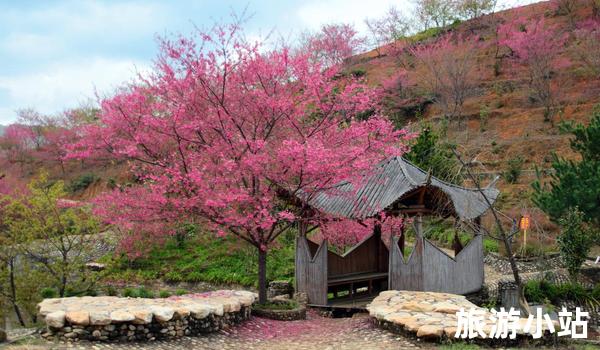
430, 153
111, 290
130, 293
164, 294
514, 170
574, 241
426, 34
484, 116
542, 291
142, 292
358, 72
48, 293
181, 291
82, 182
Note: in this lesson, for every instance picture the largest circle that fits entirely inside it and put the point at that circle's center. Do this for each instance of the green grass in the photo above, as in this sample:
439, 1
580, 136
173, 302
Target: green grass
491, 245
206, 259
545, 292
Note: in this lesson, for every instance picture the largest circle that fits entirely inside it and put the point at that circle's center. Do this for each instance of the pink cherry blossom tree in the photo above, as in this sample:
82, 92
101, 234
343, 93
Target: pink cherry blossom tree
587, 47
446, 68
235, 136
536, 46
332, 44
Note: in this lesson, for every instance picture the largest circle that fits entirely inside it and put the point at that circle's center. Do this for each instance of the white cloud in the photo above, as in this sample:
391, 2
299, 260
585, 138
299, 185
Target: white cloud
65, 85
314, 14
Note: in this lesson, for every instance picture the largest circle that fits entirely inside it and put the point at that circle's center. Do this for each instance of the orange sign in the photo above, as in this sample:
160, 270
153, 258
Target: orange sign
525, 222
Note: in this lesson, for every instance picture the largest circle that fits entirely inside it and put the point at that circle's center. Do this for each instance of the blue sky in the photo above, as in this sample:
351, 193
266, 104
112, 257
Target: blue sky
56, 55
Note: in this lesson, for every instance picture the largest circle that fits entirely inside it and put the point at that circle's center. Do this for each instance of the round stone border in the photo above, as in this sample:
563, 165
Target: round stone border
113, 319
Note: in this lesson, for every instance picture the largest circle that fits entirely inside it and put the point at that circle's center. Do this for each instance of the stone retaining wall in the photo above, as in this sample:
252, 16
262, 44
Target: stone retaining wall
432, 316
133, 319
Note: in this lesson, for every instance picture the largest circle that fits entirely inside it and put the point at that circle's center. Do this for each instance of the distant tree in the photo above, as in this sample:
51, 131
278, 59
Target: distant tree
388, 29
51, 234
470, 9
587, 46
566, 8
574, 183
432, 154
447, 70
332, 44
536, 46
435, 13
574, 241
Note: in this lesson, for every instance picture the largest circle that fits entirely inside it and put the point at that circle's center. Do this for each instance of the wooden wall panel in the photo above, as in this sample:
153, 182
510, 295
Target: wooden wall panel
462, 275
311, 271
405, 275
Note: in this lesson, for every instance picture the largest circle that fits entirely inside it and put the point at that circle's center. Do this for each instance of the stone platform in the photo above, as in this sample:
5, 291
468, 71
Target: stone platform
432, 316
127, 319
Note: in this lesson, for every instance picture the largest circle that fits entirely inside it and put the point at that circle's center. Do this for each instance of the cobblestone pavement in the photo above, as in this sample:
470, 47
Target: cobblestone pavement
314, 333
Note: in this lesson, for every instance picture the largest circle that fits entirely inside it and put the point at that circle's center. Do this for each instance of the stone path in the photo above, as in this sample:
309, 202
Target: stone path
316, 332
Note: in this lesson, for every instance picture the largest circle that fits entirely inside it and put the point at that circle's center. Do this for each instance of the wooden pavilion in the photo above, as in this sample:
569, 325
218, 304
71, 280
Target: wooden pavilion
396, 187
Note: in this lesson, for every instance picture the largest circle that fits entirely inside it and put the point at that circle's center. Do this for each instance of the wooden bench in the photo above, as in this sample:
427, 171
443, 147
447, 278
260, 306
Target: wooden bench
351, 279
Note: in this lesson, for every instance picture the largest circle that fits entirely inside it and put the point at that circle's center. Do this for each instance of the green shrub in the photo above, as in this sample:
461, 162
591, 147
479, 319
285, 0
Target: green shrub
514, 170
358, 72
110, 290
574, 241
111, 183
142, 292
542, 291
48, 293
130, 293
164, 294
484, 116
82, 182
181, 291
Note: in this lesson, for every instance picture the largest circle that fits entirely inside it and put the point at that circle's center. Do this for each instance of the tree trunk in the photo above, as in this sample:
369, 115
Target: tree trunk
262, 276
13, 292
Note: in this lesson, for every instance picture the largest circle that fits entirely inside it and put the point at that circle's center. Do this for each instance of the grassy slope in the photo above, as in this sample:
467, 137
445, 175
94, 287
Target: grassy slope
515, 126
220, 261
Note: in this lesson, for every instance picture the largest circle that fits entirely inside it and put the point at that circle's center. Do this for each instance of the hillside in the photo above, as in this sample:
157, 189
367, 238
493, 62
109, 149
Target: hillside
500, 122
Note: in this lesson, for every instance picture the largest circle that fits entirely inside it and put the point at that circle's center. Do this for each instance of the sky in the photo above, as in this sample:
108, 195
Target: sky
60, 54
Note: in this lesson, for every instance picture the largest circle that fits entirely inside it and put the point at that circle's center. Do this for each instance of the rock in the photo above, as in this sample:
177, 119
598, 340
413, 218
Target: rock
56, 319
199, 311
446, 308
70, 335
96, 334
81, 318
280, 288
3, 336
162, 314
142, 316
93, 266
99, 318
121, 316
429, 331
417, 306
